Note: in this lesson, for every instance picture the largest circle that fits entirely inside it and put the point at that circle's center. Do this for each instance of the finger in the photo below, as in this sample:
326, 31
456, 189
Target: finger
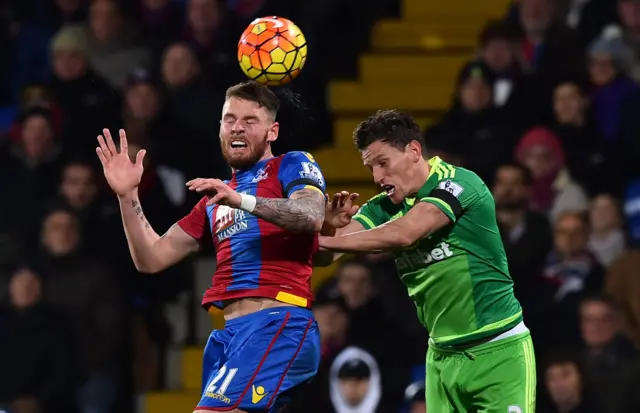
124, 145
335, 201
103, 159
109, 139
105, 149
354, 196
139, 156
193, 182
344, 197
354, 210
326, 198
215, 199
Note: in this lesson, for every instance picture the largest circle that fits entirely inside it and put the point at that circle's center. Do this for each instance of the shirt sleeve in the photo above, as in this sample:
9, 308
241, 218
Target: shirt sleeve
451, 196
371, 214
299, 170
195, 222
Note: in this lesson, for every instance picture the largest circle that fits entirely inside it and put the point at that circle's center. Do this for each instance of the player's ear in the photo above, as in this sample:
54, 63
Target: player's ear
272, 133
416, 150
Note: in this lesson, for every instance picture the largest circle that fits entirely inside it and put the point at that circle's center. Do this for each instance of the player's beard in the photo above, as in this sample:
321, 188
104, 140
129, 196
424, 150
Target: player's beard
249, 156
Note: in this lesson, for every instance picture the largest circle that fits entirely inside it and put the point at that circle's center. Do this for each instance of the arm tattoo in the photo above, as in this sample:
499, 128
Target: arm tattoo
138, 209
302, 213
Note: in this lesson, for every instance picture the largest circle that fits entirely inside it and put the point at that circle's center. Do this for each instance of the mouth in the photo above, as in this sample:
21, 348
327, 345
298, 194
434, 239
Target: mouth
238, 144
389, 189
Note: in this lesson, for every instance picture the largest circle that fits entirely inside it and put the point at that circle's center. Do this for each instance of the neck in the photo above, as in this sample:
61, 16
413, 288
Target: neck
421, 176
568, 405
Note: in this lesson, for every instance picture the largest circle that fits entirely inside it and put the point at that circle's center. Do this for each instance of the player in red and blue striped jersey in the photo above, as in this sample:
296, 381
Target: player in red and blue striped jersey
263, 224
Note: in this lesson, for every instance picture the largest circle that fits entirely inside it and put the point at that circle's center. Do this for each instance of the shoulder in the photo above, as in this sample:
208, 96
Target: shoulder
382, 203
296, 157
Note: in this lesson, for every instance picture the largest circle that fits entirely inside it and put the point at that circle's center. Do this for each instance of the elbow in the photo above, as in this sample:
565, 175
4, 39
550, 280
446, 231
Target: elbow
146, 268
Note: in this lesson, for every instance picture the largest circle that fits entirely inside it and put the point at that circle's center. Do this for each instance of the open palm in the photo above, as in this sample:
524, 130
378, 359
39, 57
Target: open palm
123, 176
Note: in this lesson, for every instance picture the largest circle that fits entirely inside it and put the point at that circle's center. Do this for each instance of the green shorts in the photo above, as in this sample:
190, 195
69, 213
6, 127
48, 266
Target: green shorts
493, 377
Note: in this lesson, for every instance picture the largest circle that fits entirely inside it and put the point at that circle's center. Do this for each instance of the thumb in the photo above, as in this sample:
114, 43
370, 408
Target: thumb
140, 156
354, 210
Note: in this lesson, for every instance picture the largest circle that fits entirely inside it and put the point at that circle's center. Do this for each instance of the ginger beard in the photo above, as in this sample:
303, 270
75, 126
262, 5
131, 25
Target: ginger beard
241, 152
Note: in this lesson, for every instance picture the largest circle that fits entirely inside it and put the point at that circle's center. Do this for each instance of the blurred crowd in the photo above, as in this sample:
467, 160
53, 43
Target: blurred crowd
546, 113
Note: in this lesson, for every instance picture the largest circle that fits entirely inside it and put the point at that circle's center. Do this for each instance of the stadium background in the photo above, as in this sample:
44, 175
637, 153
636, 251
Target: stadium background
547, 83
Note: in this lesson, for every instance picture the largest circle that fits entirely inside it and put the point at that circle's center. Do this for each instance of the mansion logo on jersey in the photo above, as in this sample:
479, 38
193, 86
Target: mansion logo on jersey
229, 221
417, 258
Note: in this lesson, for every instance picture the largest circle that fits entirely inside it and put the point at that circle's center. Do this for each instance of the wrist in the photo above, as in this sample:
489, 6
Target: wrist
328, 230
129, 196
248, 202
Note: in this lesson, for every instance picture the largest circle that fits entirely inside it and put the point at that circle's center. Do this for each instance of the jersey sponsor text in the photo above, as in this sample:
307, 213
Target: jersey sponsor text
417, 258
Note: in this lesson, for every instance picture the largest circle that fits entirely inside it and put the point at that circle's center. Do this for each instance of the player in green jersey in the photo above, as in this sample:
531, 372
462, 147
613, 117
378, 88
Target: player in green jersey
439, 220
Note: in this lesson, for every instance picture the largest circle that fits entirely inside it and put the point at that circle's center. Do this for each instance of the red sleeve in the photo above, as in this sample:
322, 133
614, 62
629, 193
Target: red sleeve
195, 223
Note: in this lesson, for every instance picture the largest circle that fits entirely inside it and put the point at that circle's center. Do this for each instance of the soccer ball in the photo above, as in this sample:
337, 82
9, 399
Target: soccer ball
272, 51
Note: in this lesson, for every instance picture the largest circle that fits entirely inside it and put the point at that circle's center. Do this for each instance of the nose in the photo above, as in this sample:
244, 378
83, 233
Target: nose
378, 176
237, 127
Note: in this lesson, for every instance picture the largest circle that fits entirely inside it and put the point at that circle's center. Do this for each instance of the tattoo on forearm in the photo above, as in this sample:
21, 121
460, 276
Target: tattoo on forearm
138, 210
300, 214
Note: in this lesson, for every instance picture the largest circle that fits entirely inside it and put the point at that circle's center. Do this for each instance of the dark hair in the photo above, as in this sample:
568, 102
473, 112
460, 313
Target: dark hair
255, 92
560, 356
599, 298
356, 261
396, 128
582, 216
498, 30
527, 177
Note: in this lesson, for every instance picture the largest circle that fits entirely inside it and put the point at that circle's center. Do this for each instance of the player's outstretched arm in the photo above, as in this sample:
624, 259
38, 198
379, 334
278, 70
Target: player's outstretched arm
422, 220
303, 211
150, 252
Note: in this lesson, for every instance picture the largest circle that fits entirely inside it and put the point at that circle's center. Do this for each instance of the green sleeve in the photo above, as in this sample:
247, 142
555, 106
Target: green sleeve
372, 214
452, 196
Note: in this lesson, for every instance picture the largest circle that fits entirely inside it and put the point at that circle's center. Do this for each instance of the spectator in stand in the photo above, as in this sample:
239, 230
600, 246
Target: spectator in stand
115, 47
473, 127
622, 281
75, 284
615, 94
99, 219
526, 234
514, 91
571, 273
29, 170
629, 14
161, 22
415, 398
553, 190
213, 34
552, 50
332, 316
590, 163
86, 101
371, 329
148, 124
194, 105
36, 351
355, 383
565, 385
611, 362
607, 239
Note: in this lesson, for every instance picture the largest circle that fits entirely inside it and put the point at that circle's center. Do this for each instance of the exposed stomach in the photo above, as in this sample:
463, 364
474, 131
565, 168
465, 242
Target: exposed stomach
242, 306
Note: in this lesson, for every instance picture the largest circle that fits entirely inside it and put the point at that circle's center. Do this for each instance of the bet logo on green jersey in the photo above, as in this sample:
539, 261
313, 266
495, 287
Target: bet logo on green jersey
418, 258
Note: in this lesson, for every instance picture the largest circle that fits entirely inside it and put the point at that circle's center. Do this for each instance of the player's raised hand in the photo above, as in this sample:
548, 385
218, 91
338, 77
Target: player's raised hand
122, 174
340, 208
217, 191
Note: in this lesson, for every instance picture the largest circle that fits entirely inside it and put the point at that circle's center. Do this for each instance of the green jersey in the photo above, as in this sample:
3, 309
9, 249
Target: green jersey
458, 276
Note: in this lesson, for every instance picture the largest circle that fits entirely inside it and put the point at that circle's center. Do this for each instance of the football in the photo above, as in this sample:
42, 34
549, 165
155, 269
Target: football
272, 51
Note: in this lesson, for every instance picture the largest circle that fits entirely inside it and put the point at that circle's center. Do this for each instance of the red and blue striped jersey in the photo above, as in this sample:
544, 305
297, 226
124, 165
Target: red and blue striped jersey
256, 258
